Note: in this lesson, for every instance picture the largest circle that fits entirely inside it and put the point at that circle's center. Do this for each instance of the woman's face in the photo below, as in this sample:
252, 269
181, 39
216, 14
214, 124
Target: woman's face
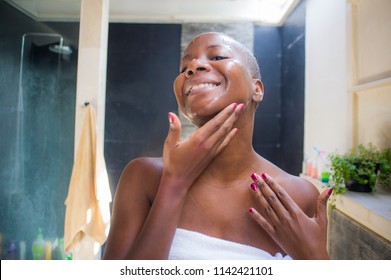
213, 74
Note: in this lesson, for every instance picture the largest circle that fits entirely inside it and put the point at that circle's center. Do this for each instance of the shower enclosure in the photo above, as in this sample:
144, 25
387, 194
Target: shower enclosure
41, 148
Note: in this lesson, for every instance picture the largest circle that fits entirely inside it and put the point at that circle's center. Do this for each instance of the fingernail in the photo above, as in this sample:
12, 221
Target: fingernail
330, 191
255, 176
242, 106
254, 186
170, 118
265, 176
251, 210
235, 105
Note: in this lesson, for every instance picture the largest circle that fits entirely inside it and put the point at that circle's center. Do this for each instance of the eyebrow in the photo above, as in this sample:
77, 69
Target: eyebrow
214, 46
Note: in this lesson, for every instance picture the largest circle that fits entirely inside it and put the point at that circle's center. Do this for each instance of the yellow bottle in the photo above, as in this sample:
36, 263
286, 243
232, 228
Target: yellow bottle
38, 248
48, 250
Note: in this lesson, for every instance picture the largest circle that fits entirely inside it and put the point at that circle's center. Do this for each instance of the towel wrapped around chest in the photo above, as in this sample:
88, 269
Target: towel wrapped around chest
191, 245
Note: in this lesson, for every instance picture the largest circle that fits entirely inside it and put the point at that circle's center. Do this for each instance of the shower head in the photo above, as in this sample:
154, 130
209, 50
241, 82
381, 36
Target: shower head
60, 49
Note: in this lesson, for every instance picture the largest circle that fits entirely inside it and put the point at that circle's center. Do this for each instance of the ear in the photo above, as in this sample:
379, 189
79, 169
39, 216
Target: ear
258, 91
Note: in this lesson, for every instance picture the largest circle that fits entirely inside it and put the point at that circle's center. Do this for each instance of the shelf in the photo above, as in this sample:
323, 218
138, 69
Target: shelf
372, 210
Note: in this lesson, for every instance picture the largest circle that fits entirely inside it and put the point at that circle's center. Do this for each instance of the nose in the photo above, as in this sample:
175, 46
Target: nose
196, 65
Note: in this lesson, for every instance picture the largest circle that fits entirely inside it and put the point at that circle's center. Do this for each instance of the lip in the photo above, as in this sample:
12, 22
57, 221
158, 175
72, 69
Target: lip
200, 85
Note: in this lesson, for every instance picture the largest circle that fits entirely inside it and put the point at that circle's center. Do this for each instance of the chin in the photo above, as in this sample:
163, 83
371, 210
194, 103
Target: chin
209, 107
199, 117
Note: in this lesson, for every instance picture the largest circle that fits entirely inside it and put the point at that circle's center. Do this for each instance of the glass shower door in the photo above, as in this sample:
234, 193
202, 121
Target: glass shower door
42, 155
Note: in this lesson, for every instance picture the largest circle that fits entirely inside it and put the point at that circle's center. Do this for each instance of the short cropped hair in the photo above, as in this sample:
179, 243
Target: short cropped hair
250, 60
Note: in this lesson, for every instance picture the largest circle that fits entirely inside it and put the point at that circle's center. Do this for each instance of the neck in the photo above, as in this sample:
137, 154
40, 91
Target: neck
238, 159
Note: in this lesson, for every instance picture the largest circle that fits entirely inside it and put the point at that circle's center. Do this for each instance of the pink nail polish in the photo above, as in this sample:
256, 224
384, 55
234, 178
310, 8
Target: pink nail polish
255, 177
170, 118
330, 191
251, 210
235, 105
254, 186
242, 106
265, 176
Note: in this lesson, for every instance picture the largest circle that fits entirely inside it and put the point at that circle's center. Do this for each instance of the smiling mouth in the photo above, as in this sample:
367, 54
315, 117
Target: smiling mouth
204, 85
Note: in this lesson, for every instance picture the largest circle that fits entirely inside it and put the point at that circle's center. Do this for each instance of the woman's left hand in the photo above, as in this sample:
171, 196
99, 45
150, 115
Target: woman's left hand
298, 235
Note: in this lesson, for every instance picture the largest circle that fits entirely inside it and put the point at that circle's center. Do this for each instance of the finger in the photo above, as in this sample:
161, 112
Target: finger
217, 122
284, 198
224, 132
276, 196
174, 132
271, 198
227, 139
262, 221
218, 132
266, 209
321, 207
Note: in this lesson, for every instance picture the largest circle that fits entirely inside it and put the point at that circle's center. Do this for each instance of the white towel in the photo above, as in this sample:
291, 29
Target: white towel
191, 245
87, 217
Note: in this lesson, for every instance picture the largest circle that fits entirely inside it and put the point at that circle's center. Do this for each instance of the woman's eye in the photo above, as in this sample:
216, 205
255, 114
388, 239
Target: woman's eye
183, 69
218, 57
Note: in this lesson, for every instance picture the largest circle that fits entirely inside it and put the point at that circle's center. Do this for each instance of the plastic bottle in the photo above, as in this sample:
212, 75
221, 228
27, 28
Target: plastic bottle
69, 257
315, 164
1, 245
38, 248
325, 172
48, 250
304, 165
22, 250
309, 167
12, 253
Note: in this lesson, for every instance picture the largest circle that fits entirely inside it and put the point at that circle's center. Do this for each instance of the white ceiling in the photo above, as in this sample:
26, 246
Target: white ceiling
267, 12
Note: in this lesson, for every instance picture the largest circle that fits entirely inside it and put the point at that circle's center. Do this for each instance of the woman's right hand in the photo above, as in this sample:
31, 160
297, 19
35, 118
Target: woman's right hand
184, 161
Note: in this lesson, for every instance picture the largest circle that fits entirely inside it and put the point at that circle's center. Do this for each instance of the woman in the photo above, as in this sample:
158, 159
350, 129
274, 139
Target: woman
204, 197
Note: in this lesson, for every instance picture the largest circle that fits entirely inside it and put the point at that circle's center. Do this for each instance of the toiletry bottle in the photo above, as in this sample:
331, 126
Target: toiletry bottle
1, 245
58, 249
308, 167
22, 250
38, 247
315, 164
11, 253
48, 250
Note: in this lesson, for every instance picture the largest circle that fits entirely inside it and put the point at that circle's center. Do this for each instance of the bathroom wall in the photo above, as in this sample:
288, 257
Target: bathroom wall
36, 140
292, 90
328, 104
142, 63
279, 122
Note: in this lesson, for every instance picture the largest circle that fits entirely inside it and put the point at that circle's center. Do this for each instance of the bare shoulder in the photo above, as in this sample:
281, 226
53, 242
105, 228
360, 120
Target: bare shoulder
132, 201
142, 173
303, 192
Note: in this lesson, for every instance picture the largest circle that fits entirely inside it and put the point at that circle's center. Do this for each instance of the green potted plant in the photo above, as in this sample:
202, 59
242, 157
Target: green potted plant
360, 169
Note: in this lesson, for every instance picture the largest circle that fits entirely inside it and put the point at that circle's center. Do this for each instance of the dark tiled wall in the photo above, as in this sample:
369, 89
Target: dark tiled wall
142, 64
267, 129
292, 90
279, 124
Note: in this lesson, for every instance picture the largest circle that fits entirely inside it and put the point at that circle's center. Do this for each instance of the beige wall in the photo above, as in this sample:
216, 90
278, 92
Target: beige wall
371, 89
328, 105
348, 74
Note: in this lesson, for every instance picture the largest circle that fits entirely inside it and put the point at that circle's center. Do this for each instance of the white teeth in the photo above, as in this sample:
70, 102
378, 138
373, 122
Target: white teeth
202, 86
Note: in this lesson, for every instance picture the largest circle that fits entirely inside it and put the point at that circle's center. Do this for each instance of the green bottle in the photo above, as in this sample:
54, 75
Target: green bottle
38, 248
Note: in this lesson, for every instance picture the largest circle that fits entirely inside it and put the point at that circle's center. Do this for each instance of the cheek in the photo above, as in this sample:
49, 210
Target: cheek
178, 85
240, 79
